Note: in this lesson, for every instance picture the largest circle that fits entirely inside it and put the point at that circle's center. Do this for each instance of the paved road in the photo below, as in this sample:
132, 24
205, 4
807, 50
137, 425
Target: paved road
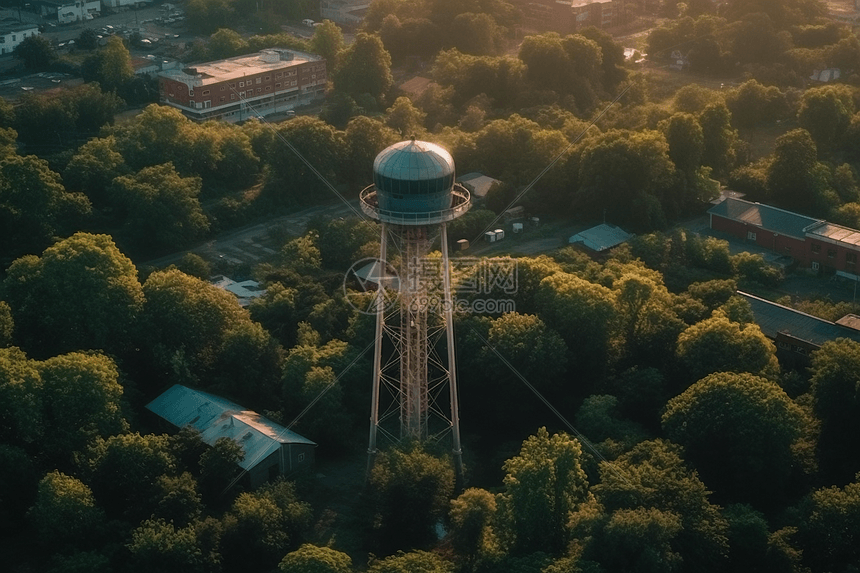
257, 242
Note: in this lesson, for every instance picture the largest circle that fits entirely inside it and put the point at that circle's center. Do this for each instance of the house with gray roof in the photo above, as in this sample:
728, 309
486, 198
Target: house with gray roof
796, 334
270, 449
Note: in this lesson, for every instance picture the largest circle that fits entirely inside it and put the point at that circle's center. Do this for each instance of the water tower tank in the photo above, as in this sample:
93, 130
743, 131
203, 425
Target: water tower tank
414, 177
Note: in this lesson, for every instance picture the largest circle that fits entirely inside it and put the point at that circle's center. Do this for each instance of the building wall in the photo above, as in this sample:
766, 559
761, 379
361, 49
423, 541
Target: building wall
781, 244
827, 257
8, 40
77, 11
262, 93
813, 252
291, 458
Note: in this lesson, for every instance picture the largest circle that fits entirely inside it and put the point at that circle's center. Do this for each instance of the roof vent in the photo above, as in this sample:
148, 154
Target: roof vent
247, 436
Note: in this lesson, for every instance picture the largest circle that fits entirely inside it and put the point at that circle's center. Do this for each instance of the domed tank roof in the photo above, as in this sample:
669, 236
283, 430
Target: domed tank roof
414, 161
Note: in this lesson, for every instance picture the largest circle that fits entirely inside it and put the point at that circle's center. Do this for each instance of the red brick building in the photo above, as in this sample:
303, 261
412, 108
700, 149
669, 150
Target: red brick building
253, 85
813, 243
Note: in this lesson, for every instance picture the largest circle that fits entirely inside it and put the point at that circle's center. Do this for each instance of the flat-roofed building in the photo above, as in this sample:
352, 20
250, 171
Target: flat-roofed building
254, 85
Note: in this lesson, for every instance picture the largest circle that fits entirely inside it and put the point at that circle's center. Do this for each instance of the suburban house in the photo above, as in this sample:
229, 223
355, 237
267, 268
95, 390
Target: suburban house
795, 334
252, 85
13, 33
270, 449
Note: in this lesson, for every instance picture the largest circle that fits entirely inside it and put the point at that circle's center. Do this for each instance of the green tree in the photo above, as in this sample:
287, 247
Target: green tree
409, 492
80, 393
65, 512
365, 68
647, 320
720, 345
18, 479
638, 540
276, 311
789, 174
313, 559
248, 364
632, 170
232, 164
748, 538
161, 134
340, 240
194, 265
161, 208
123, 471
536, 351
157, 545
753, 104
694, 98
263, 526
835, 381
600, 419
825, 113
472, 516
404, 118
34, 205
87, 39
412, 562
738, 430
296, 183
338, 109
114, 68
653, 476
830, 528
185, 320
583, 313
219, 465
36, 51
327, 42
205, 16
686, 142
476, 34
50, 309
177, 500
719, 138
20, 398
543, 484
226, 43
7, 324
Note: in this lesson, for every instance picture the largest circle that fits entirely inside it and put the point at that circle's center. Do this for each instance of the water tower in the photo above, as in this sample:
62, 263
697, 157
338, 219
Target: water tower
414, 196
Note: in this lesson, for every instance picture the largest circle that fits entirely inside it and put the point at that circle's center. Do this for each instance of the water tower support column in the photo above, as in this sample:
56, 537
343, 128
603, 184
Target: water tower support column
377, 350
457, 449
413, 331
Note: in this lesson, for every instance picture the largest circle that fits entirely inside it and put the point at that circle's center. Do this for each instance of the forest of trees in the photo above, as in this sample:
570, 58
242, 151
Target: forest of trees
691, 447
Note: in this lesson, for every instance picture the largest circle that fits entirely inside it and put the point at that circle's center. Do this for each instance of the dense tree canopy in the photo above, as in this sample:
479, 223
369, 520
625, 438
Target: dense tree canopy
738, 429
81, 294
543, 484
